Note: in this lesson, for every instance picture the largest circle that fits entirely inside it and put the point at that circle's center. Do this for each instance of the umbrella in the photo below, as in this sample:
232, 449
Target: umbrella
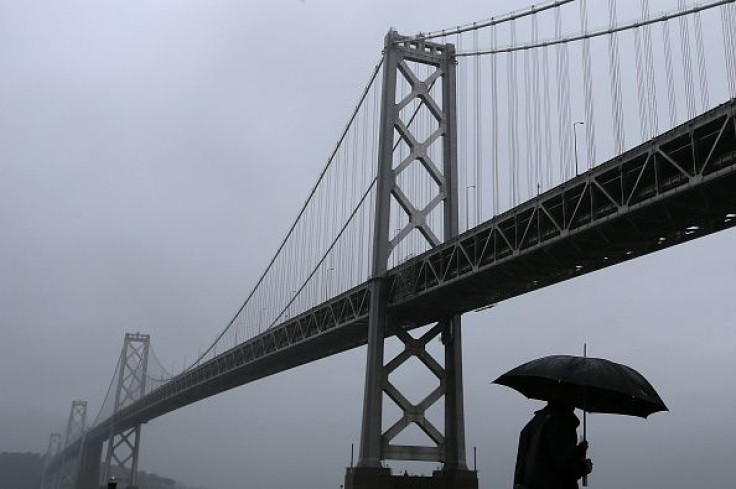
594, 385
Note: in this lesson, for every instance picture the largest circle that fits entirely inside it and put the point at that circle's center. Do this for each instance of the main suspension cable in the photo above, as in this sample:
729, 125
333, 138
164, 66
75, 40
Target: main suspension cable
599, 32
493, 21
352, 117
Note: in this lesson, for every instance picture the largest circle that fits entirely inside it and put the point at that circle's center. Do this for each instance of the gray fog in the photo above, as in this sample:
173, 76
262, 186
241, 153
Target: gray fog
153, 154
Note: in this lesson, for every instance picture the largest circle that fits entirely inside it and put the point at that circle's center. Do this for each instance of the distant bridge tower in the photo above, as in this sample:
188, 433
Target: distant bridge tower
53, 449
410, 58
64, 475
76, 423
123, 445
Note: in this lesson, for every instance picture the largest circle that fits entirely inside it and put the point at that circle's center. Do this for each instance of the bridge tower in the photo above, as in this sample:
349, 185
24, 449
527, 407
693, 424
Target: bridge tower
76, 424
123, 444
64, 475
410, 59
53, 449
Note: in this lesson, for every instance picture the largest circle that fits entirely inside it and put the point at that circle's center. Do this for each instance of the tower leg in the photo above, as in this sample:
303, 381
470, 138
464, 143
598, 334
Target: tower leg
411, 59
454, 412
89, 466
455, 473
121, 458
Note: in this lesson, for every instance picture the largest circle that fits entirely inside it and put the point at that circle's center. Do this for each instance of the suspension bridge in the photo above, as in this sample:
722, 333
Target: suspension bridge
480, 163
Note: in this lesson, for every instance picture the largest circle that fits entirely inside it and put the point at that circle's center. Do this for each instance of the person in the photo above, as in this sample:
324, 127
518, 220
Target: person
549, 456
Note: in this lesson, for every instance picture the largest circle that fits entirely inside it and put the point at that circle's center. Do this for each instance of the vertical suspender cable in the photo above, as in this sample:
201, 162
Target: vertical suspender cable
374, 174
361, 219
537, 112
588, 87
640, 87
494, 124
530, 165
357, 152
649, 70
615, 71
727, 49
563, 101
547, 160
671, 94
732, 20
417, 240
687, 63
463, 126
560, 122
426, 192
343, 274
513, 121
702, 70
477, 105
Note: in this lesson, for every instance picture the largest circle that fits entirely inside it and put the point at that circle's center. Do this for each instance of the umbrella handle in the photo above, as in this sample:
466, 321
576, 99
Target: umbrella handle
585, 439
585, 416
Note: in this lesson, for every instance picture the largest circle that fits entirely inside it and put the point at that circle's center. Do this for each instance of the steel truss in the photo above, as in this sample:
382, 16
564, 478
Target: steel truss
301, 336
415, 413
124, 442
677, 187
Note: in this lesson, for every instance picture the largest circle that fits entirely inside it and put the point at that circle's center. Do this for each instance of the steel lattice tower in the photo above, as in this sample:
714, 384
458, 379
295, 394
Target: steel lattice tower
123, 446
404, 58
52, 450
76, 423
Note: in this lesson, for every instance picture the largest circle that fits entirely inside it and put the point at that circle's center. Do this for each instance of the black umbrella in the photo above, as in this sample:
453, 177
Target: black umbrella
594, 385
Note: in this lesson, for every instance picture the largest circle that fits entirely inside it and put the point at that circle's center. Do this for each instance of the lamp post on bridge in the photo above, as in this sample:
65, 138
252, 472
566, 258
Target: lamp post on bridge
467, 206
575, 138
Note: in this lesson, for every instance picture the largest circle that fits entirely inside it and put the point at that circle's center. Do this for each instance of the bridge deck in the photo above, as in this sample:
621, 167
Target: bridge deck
679, 186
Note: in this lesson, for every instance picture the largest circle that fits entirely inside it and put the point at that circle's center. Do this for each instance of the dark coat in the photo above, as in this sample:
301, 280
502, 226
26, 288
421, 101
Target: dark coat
549, 457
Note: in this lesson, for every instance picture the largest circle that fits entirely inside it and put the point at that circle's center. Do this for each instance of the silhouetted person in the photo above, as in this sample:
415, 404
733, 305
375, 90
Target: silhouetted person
112, 483
549, 455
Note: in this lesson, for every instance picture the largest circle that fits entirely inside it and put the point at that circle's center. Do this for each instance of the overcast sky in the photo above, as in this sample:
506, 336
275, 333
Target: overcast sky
153, 153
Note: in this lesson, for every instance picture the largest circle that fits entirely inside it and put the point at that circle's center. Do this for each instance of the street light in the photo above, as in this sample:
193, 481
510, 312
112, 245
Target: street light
575, 137
467, 206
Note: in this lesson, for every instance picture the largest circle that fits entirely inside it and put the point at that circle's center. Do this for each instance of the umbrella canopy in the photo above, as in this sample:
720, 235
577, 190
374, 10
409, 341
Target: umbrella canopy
594, 385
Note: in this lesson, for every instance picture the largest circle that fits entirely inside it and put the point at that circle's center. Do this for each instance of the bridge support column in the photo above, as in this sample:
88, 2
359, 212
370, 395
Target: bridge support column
454, 408
123, 445
435, 94
88, 476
